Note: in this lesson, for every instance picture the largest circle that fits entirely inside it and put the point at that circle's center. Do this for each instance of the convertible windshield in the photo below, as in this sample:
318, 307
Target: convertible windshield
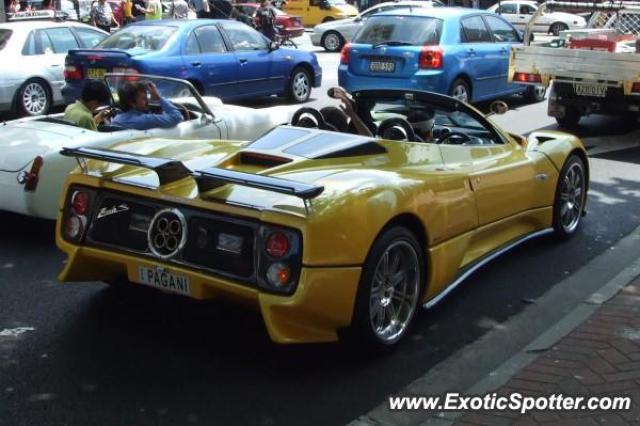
400, 30
147, 37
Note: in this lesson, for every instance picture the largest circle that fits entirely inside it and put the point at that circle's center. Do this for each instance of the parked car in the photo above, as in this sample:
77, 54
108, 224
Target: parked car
32, 55
520, 12
313, 12
291, 25
32, 170
334, 34
328, 234
460, 52
222, 58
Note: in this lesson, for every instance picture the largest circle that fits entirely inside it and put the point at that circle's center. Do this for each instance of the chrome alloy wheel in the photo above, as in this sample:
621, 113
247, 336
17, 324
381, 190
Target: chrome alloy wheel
34, 98
394, 291
332, 42
460, 93
572, 194
301, 86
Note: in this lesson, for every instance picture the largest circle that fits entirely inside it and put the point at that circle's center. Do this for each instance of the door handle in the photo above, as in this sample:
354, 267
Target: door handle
471, 52
196, 63
503, 50
243, 61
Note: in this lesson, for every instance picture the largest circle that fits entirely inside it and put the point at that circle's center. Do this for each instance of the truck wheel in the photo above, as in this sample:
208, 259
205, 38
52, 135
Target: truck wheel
535, 93
571, 118
556, 27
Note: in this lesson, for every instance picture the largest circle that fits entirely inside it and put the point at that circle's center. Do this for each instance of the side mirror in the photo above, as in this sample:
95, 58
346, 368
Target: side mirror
273, 46
498, 108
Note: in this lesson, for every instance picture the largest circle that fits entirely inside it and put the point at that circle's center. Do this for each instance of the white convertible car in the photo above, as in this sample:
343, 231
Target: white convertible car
32, 171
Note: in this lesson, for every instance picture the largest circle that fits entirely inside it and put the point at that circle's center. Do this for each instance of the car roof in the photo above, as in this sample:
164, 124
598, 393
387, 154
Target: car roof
25, 26
436, 12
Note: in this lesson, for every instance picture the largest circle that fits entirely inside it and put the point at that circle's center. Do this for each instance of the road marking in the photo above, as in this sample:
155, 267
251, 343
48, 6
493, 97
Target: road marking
15, 332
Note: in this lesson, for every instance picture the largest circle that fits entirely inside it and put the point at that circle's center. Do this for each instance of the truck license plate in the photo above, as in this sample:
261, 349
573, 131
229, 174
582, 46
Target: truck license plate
590, 89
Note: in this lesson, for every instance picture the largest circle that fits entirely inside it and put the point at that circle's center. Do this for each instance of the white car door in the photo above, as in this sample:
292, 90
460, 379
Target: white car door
526, 12
56, 42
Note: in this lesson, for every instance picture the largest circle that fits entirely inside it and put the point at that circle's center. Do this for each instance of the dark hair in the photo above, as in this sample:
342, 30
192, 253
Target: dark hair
336, 118
127, 94
95, 90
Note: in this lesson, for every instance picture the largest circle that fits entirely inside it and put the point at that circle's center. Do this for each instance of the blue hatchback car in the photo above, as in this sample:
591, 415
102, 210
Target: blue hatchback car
459, 52
222, 58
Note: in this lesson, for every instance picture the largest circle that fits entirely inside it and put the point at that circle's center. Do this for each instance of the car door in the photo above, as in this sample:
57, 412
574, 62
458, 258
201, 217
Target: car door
504, 36
509, 11
89, 38
209, 63
478, 56
258, 72
52, 44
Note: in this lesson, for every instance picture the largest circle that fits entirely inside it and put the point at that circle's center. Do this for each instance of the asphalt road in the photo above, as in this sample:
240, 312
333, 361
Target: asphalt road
90, 355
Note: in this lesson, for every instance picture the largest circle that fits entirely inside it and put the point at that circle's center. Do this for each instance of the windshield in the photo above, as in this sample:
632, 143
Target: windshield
147, 37
5, 35
408, 30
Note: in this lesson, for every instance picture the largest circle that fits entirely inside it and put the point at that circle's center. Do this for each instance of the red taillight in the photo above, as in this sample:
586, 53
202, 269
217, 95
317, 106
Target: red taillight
72, 72
523, 77
31, 179
345, 54
431, 57
277, 244
635, 88
279, 275
80, 202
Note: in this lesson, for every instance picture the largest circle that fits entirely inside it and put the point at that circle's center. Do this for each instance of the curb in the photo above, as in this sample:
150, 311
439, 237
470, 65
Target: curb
615, 267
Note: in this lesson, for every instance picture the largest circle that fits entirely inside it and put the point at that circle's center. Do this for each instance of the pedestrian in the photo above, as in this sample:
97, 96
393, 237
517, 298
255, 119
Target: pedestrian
13, 7
267, 20
180, 9
48, 5
127, 11
95, 93
221, 9
198, 7
154, 11
241, 16
138, 10
102, 16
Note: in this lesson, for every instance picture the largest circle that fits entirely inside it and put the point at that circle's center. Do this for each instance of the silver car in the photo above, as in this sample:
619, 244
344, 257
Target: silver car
32, 55
333, 35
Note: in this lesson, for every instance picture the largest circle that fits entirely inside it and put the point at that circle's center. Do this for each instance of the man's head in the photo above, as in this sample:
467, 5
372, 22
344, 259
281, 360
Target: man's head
134, 96
95, 93
264, 3
422, 122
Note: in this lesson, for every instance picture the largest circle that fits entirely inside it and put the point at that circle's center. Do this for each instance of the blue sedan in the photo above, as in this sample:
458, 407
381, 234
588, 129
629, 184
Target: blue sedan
463, 53
222, 58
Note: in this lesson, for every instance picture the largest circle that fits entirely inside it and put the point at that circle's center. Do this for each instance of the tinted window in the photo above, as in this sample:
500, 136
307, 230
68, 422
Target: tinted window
412, 30
474, 30
5, 35
244, 38
148, 37
502, 32
89, 38
507, 8
526, 9
63, 39
210, 39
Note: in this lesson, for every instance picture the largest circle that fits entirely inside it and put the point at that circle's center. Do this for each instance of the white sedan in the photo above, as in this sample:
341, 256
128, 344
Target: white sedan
519, 13
32, 171
333, 35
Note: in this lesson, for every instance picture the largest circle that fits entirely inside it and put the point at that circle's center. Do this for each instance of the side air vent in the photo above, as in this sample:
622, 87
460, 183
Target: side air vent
367, 148
258, 159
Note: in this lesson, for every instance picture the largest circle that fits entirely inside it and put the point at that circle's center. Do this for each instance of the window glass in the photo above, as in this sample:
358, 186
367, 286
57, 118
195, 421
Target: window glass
63, 39
89, 38
29, 45
5, 35
474, 30
244, 38
43, 44
508, 8
502, 31
526, 9
192, 47
410, 30
148, 37
210, 39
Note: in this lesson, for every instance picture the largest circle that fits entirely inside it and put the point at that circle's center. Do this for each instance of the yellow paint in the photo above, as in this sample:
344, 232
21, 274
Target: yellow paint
312, 14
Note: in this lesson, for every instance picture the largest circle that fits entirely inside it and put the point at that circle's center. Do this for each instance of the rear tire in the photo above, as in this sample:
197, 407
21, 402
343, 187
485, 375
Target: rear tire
535, 93
570, 198
460, 90
299, 88
332, 41
571, 118
390, 290
33, 98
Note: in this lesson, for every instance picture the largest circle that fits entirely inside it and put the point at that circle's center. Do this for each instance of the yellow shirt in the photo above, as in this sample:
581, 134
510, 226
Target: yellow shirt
127, 5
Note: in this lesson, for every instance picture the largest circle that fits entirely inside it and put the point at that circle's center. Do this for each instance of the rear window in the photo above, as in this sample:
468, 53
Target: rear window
148, 37
409, 30
5, 35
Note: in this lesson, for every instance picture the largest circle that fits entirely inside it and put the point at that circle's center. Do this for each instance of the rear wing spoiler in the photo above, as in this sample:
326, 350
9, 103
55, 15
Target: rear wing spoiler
101, 52
172, 170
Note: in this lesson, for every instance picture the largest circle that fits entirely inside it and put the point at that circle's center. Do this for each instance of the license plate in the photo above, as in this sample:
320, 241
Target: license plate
159, 278
378, 66
590, 89
96, 72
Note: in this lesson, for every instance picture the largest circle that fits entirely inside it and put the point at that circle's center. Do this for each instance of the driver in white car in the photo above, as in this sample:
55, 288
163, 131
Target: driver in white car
134, 102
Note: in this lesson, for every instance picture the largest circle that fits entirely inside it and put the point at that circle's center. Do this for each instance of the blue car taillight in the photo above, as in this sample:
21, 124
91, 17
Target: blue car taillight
431, 57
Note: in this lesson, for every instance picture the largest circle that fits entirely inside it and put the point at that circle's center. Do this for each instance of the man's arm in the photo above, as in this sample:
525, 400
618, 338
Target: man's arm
169, 117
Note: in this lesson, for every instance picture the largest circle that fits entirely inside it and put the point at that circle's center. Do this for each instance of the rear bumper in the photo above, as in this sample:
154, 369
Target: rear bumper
429, 80
615, 102
321, 305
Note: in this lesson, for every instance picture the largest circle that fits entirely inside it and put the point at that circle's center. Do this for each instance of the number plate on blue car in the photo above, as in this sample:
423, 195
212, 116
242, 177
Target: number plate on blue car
379, 66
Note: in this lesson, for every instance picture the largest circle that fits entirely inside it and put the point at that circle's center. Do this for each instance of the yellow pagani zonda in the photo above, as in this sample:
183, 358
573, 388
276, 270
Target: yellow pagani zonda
322, 231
